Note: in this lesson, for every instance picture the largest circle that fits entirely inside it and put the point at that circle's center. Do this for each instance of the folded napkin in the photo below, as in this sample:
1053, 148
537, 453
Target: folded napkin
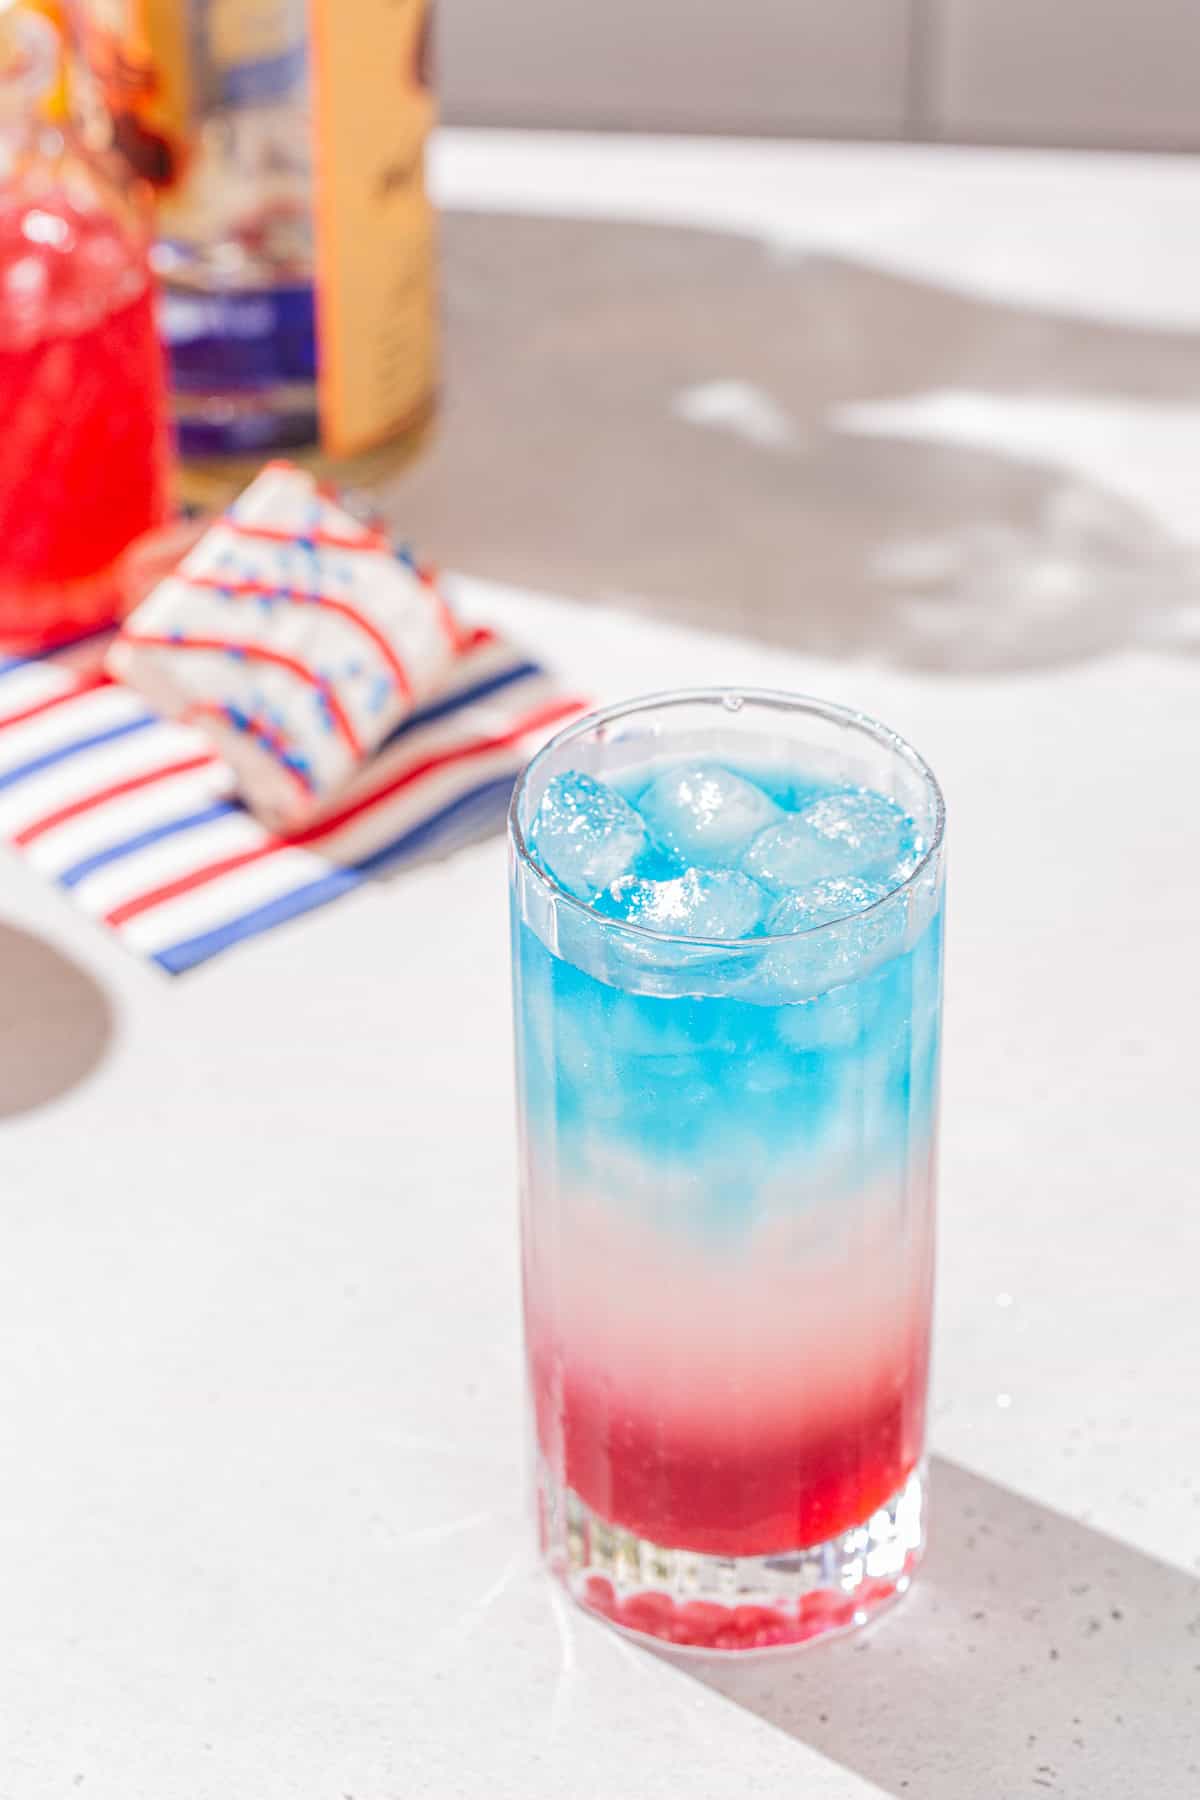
295, 638
137, 817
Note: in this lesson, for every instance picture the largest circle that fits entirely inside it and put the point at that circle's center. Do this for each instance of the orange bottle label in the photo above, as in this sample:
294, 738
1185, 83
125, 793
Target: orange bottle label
375, 229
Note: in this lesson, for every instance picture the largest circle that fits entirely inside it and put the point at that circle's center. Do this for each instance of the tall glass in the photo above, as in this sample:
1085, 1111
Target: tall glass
727, 1201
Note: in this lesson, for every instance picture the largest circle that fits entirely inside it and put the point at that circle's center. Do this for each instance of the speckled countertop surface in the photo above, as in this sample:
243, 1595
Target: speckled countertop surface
911, 429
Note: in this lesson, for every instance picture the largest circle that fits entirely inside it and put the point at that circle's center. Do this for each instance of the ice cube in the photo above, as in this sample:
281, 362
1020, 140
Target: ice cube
827, 1022
647, 1026
854, 941
864, 833
701, 903
585, 834
842, 1018
790, 854
705, 813
823, 902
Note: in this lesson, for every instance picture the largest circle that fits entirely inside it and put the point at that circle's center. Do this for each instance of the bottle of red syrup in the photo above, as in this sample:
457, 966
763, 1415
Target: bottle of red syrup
84, 450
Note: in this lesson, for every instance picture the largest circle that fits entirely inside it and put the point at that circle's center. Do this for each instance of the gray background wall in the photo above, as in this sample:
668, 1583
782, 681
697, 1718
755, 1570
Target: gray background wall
1115, 73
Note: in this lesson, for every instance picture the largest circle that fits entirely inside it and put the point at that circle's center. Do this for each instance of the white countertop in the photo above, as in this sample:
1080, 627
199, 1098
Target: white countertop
261, 1429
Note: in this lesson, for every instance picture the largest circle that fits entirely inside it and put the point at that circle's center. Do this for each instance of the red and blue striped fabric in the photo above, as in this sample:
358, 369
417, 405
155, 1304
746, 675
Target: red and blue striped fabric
137, 818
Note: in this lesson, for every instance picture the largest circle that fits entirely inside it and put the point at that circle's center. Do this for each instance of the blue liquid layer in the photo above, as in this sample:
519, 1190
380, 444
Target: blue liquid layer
738, 1107
714, 1088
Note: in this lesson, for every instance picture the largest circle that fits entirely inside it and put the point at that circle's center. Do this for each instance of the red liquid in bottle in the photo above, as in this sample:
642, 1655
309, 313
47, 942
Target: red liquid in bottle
83, 434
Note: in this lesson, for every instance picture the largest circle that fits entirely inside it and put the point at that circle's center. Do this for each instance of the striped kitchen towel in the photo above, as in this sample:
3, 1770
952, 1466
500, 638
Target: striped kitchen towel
137, 819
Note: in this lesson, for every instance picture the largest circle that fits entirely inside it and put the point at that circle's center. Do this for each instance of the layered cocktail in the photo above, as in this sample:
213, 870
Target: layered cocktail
727, 955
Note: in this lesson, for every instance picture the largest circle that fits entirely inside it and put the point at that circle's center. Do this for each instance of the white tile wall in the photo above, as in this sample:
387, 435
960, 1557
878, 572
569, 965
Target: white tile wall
1110, 72
1090, 72
684, 65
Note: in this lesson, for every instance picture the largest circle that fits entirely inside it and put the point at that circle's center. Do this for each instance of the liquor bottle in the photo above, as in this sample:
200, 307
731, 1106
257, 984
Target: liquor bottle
297, 248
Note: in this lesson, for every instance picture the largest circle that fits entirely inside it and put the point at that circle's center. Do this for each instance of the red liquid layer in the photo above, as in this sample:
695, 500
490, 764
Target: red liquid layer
731, 1491
734, 1400
83, 450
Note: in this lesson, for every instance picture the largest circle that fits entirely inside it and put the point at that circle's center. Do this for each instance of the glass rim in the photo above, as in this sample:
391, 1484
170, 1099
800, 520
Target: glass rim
781, 700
